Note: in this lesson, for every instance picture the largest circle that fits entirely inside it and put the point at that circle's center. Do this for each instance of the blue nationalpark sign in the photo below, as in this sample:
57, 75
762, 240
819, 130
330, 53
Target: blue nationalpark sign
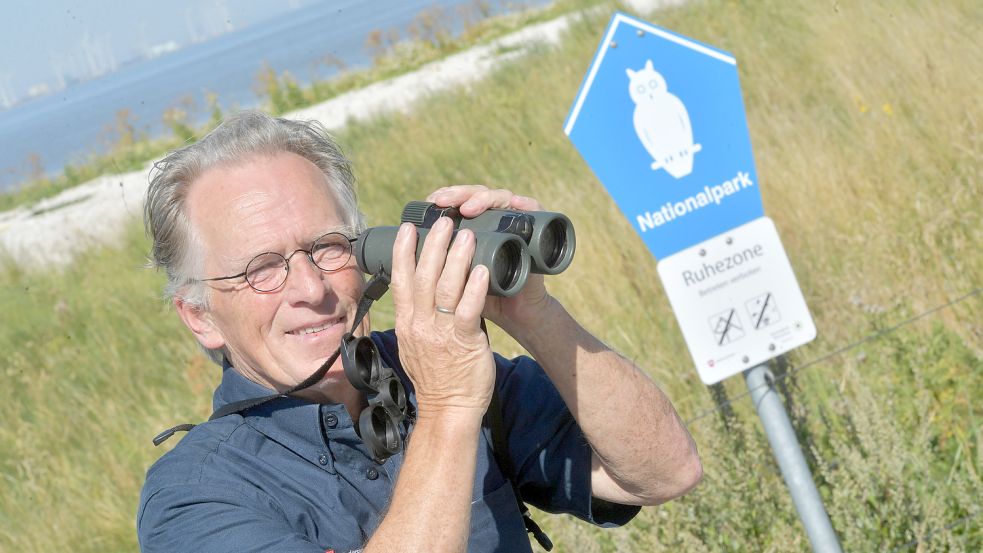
660, 120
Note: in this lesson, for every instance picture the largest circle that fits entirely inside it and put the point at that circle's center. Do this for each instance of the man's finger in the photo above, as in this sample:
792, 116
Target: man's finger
525, 203
475, 199
454, 195
468, 314
438, 192
471, 196
404, 268
483, 200
430, 265
452, 280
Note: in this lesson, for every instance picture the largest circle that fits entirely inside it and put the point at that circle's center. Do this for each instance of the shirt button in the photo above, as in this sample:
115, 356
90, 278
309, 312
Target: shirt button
371, 474
323, 459
331, 420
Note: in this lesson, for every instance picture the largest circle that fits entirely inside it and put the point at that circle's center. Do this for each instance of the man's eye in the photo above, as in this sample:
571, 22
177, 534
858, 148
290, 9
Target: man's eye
264, 267
328, 250
257, 278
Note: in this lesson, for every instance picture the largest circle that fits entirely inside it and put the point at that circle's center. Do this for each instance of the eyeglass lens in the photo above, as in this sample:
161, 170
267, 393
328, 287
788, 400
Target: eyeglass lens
268, 271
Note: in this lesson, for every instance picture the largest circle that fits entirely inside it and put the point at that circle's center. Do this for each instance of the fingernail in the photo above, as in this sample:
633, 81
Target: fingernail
404, 230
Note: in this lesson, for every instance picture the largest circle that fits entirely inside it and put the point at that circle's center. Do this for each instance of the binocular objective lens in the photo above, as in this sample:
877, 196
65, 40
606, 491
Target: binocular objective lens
553, 242
507, 265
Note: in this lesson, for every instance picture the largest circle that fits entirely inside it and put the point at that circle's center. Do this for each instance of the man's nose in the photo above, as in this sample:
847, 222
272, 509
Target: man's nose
305, 281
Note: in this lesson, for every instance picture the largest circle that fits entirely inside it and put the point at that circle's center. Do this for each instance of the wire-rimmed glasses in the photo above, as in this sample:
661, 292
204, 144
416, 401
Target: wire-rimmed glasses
268, 271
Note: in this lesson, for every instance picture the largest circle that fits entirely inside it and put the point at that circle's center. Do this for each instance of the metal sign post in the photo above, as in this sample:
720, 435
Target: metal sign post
660, 120
792, 463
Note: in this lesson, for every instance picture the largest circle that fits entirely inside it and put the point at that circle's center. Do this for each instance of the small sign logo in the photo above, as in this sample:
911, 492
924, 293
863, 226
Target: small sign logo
661, 122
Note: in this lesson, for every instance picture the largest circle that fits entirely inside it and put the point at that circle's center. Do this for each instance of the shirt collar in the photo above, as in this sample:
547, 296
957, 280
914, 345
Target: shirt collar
296, 423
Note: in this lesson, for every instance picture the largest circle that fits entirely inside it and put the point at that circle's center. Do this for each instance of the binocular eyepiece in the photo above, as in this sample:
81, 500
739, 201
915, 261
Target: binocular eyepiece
510, 243
380, 422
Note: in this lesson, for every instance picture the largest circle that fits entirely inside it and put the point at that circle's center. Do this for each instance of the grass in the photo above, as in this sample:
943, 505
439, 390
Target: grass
865, 119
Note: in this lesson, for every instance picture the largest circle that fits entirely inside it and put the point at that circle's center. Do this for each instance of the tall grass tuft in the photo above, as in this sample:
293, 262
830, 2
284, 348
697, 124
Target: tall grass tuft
865, 121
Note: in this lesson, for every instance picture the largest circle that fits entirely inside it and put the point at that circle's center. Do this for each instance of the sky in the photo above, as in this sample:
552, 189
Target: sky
49, 42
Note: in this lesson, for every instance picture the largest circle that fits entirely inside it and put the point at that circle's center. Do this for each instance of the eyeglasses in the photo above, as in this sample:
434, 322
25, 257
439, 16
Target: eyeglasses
268, 270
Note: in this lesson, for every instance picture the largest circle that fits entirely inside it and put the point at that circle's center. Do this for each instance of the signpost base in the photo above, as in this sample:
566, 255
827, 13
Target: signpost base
761, 383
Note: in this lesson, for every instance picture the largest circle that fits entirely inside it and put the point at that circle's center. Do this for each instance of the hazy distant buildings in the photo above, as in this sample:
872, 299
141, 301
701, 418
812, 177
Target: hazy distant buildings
97, 56
7, 97
208, 20
158, 50
39, 89
93, 55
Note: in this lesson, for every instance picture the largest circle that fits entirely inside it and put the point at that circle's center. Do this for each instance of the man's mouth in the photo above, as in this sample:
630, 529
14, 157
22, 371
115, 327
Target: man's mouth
314, 329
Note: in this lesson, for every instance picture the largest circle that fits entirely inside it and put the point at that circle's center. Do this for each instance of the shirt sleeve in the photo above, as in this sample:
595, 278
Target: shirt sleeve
549, 452
209, 517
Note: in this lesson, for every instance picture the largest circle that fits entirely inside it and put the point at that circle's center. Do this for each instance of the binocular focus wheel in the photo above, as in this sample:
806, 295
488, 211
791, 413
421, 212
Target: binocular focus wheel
380, 431
361, 360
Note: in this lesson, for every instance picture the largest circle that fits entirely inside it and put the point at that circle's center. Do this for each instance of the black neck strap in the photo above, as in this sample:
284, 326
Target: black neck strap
500, 448
374, 289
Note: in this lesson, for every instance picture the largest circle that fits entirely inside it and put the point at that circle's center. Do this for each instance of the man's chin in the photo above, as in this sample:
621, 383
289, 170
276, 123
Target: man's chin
333, 386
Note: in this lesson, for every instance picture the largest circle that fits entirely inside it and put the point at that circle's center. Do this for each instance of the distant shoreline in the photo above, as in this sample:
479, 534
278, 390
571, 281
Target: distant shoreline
314, 44
97, 212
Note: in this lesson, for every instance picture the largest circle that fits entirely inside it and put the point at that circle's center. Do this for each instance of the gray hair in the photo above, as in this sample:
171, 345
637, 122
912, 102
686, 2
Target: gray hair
239, 138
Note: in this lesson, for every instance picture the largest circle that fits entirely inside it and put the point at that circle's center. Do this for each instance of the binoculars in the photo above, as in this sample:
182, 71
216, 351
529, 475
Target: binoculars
511, 244
380, 424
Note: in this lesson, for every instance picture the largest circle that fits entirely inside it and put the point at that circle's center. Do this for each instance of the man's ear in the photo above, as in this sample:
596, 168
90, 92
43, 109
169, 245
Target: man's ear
199, 321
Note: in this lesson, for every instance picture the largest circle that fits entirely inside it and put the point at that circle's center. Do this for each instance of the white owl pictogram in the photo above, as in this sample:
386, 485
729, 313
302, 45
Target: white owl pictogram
661, 122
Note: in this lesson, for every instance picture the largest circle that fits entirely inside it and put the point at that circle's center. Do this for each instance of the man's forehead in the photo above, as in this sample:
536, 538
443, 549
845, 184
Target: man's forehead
265, 204
266, 176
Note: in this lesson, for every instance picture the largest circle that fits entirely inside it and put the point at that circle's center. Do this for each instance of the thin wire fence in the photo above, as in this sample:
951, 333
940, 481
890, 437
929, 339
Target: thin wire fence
724, 404
929, 535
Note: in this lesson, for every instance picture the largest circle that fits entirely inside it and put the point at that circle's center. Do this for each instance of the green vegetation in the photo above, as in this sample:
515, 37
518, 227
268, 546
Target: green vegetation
865, 120
131, 150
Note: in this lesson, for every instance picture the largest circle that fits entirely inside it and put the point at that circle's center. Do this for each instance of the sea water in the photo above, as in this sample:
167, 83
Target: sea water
69, 125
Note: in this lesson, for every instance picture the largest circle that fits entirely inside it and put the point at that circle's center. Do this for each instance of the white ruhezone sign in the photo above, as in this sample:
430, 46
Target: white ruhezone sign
736, 299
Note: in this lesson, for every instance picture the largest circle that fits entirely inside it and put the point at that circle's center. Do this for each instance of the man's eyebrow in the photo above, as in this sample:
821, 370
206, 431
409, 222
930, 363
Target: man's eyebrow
347, 230
239, 263
243, 260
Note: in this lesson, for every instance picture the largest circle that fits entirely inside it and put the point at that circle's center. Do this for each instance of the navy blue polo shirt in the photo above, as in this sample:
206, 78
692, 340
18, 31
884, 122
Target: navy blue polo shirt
293, 475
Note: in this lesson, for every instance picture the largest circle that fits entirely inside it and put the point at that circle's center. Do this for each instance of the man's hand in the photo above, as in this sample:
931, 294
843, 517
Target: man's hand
447, 356
438, 320
643, 454
525, 308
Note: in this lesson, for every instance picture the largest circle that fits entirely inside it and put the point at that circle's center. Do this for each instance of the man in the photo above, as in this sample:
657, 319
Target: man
293, 475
